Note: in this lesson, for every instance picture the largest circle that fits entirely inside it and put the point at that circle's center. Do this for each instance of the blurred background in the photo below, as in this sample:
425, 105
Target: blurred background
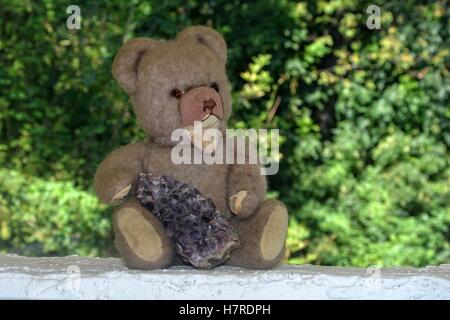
364, 116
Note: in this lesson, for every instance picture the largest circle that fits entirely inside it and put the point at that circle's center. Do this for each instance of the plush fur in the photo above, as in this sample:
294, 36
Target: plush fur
149, 70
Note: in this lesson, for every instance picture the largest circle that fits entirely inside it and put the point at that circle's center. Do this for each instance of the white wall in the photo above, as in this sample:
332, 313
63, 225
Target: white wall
94, 278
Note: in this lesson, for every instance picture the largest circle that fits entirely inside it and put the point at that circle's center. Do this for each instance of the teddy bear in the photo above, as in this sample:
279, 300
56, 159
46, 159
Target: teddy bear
171, 84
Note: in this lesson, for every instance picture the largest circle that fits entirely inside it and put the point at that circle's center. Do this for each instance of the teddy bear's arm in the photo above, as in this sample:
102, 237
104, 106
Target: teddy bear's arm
117, 172
246, 189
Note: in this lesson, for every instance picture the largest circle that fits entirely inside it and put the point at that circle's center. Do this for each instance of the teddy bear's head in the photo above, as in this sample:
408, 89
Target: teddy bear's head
174, 83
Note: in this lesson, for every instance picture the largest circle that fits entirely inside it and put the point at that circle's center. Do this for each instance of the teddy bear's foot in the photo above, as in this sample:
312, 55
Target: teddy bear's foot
262, 237
140, 238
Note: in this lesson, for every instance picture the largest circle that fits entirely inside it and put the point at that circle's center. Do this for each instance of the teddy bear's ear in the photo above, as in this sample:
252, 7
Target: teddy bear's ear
127, 59
207, 37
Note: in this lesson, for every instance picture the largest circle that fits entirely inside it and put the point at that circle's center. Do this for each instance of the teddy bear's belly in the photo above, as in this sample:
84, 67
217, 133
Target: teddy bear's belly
210, 180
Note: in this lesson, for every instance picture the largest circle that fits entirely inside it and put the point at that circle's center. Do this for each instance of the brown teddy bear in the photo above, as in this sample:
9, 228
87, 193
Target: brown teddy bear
172, 84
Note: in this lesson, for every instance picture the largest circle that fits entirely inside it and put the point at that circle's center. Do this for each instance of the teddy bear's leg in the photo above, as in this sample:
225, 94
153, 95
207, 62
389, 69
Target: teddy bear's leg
262, 237
140, 238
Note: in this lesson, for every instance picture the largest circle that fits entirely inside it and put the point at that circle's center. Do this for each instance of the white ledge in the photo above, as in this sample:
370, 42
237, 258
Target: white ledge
76, 277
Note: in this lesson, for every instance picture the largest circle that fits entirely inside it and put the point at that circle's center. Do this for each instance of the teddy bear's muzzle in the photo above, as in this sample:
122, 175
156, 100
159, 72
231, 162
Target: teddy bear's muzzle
201, 104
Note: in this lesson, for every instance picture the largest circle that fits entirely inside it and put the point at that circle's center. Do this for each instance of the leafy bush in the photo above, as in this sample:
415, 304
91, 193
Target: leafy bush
395, 212
45, 217
364, 114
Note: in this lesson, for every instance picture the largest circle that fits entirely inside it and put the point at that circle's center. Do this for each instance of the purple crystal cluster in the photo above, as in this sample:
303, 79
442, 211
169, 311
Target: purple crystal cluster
201, 234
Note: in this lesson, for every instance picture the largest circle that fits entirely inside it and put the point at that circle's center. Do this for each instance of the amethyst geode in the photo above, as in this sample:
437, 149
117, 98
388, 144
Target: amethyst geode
201, 234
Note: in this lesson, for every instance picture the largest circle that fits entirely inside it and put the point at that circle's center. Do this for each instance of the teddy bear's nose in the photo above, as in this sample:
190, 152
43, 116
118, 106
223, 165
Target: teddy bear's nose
209, 104
198, 103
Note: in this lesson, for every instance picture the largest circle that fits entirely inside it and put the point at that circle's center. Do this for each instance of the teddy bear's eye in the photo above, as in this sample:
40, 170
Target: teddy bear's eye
177, 93
215, 86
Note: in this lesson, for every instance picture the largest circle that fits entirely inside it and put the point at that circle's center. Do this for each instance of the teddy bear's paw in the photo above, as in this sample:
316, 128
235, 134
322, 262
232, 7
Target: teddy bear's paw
236, 201
141, 239
119, 196
262, 237
274, 233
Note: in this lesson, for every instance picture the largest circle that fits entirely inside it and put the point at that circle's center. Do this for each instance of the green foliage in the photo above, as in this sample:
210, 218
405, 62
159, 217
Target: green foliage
364, 117
394, 212
46, 217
